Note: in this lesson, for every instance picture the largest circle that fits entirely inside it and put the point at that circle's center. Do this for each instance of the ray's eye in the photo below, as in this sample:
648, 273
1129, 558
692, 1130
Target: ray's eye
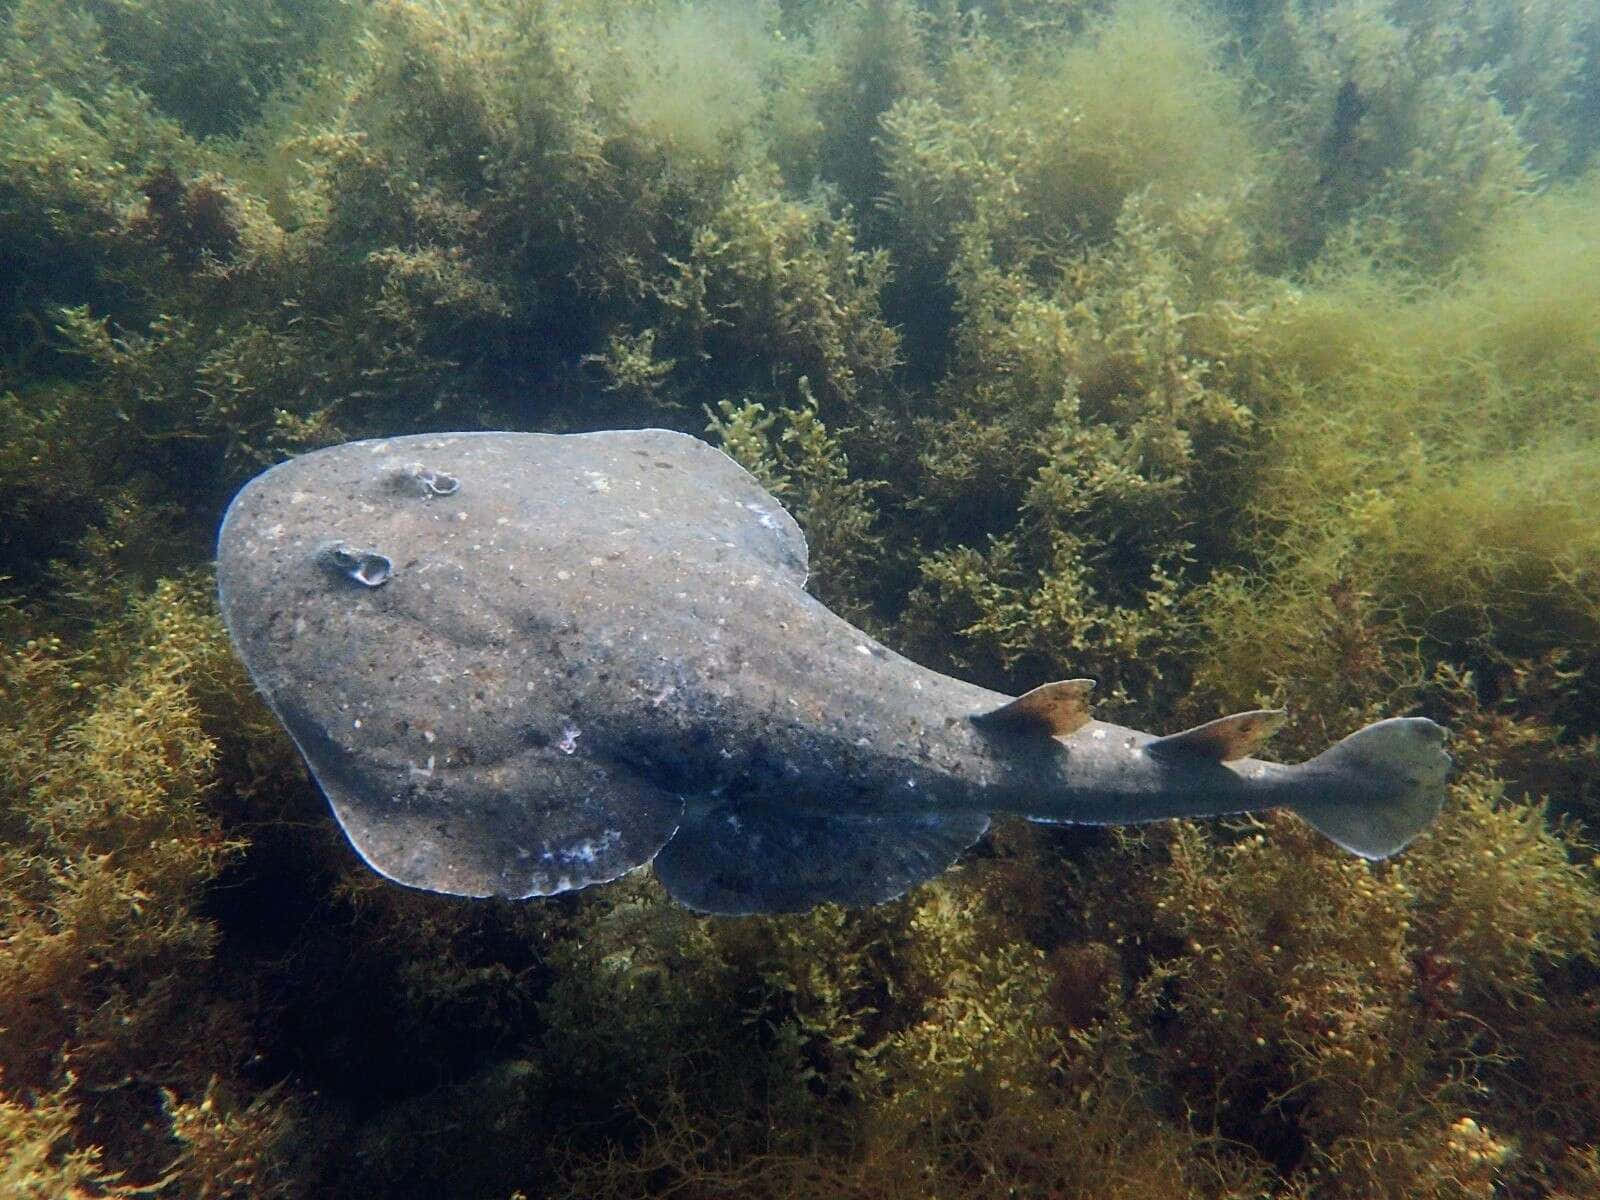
366, 567
427, 481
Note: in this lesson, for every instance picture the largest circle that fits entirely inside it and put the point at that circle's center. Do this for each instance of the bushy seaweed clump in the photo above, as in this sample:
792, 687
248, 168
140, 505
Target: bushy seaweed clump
1231, 356
121, 1051
1256, 1018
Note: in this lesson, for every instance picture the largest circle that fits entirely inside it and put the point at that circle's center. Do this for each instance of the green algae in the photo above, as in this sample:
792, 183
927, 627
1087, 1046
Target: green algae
1230, 356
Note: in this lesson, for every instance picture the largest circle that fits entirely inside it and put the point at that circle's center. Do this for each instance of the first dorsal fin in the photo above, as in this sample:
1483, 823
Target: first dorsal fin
1224, 739
1051, 710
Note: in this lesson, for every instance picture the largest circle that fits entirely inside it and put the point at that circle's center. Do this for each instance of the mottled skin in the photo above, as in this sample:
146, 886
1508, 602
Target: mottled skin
600, 645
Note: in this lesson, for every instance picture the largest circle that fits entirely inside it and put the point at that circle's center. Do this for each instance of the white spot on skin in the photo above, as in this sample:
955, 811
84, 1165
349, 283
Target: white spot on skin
1099, 735
427, 735
423, 772
569, 739
864, 650
588, 851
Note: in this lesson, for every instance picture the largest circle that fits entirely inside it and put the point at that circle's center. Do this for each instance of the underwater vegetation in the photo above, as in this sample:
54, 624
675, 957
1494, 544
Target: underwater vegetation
1231, 354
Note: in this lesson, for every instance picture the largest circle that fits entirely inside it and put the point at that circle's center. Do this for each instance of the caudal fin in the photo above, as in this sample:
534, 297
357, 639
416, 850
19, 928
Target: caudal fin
1378, 788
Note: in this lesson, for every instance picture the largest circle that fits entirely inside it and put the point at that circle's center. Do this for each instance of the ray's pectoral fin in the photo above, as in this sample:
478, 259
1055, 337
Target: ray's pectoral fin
541, 823
736, 857
1223, 740
1049, 710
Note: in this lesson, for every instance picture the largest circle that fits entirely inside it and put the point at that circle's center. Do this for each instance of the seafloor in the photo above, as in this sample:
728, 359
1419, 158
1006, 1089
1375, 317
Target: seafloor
1233, 353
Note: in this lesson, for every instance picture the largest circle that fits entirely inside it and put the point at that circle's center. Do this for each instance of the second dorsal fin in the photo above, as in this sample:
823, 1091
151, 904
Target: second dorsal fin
1051, 710
1222, 740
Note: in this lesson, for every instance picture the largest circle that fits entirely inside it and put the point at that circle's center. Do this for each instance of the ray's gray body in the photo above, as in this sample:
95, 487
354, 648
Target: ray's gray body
597, 650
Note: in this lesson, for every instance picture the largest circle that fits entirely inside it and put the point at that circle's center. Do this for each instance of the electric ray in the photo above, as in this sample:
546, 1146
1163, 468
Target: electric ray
522, 663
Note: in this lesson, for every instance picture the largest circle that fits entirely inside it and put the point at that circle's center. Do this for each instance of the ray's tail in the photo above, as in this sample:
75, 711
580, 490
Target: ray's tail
1378, 788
